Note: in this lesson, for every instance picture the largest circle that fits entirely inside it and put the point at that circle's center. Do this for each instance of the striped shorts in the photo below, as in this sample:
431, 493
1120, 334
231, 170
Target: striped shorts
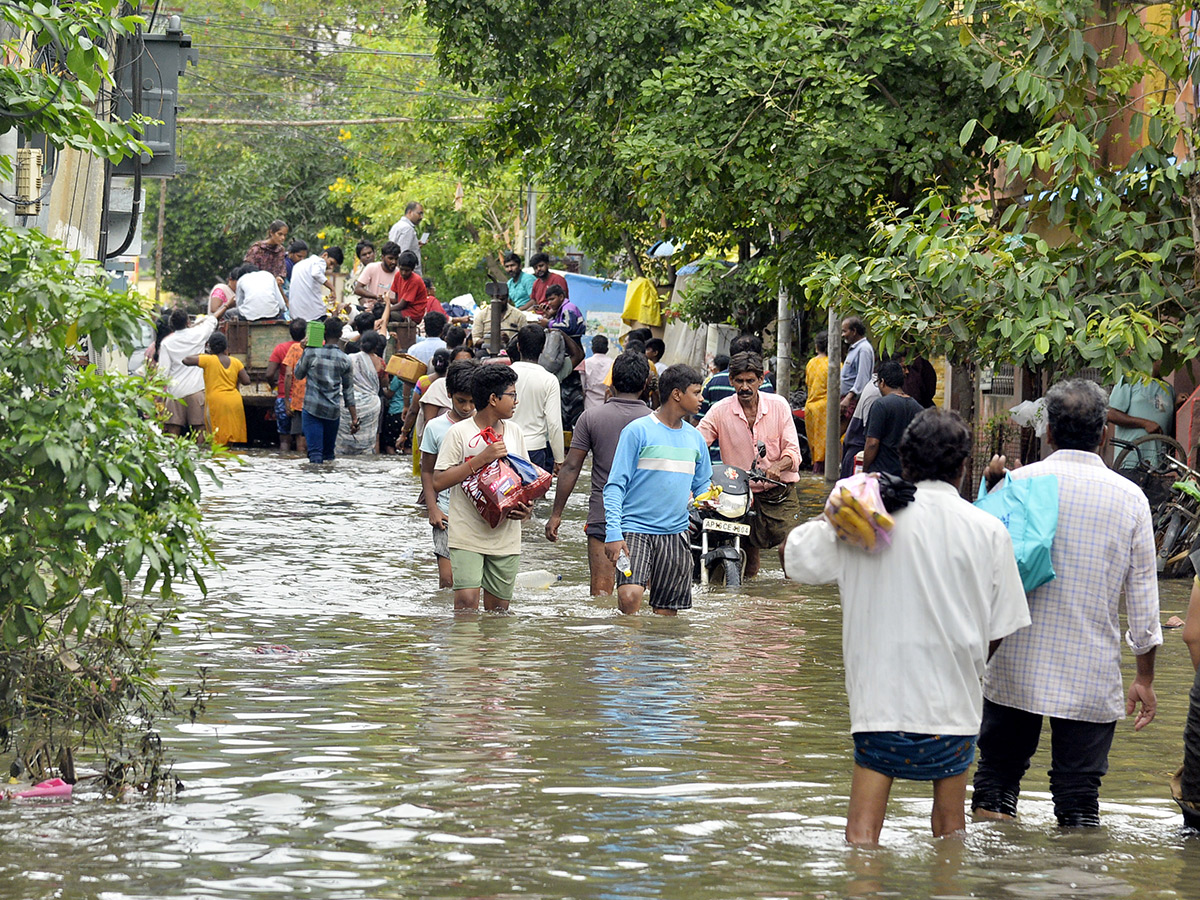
663, 562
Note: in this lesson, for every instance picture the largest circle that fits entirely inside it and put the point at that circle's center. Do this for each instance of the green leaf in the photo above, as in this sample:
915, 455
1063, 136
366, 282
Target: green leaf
1075, 44
967, 130
991, 75
1155, 131
113, 586
37, 590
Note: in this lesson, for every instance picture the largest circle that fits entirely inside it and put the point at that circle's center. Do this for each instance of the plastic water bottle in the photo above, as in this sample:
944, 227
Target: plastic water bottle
536, 579
624, 565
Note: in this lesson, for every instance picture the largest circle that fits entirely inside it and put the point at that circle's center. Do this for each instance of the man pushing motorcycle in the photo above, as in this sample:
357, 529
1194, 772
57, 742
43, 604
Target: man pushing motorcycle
737, 424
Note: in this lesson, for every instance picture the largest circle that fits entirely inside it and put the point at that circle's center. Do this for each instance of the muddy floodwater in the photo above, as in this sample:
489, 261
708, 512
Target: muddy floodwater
560, 751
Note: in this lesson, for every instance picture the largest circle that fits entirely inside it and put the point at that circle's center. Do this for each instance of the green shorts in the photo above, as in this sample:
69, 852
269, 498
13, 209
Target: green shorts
495, 574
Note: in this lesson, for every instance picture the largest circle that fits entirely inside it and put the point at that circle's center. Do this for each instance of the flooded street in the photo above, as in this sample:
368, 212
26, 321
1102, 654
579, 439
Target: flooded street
560, 751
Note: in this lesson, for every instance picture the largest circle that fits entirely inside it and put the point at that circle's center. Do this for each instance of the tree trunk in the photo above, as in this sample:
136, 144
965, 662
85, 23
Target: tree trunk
634, 259
962, 399
833, 409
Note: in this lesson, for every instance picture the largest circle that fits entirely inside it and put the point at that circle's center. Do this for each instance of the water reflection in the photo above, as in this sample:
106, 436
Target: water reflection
561, 751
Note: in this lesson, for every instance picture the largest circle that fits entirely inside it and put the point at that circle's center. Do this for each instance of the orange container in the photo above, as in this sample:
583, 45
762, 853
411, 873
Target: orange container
408, 368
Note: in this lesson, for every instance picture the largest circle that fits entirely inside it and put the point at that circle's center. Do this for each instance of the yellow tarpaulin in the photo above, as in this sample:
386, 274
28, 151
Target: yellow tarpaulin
641, 303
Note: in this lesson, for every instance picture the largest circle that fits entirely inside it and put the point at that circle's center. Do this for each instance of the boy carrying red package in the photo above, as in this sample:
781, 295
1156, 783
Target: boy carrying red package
484, 557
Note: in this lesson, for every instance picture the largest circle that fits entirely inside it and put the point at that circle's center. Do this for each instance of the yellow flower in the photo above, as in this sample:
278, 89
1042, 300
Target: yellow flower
321, 235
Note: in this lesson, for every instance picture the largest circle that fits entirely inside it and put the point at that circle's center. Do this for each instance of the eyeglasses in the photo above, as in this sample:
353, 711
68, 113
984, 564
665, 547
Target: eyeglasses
512, 394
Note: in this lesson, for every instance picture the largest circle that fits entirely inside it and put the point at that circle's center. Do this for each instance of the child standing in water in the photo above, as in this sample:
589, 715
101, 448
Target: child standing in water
462, 406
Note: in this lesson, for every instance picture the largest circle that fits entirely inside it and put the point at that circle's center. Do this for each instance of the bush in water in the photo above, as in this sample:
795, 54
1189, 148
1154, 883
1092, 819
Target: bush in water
93, 495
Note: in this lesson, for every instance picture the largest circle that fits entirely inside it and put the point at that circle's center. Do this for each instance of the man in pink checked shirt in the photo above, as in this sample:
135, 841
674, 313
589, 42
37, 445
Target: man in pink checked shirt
1067, 664
738, 423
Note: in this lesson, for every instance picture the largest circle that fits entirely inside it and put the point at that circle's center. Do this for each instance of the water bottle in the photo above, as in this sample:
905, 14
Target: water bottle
624, 565
536, 579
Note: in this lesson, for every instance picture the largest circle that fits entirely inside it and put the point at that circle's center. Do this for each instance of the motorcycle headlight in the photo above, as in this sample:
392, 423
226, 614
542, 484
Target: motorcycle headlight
732, 506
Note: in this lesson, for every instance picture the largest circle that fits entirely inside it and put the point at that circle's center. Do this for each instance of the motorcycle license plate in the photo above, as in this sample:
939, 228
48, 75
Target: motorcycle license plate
727, 527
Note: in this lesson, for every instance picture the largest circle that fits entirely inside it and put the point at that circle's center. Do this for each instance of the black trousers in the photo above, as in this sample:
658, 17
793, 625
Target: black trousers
1008, 738
1190, 780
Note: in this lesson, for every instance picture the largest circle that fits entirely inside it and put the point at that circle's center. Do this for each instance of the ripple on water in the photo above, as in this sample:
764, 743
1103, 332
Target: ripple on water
561, 751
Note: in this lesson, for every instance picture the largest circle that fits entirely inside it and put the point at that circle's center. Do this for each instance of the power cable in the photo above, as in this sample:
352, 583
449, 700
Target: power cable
324, 123
329, 51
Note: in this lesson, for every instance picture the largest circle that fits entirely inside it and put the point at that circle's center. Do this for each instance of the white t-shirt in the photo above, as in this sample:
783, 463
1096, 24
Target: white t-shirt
258, 296
183, 381
468, 530
425, 348
866, 400
595, 369
917, 617
308, 283
539, 408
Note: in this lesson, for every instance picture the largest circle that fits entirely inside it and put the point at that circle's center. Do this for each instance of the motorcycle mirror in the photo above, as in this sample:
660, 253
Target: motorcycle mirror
762, 450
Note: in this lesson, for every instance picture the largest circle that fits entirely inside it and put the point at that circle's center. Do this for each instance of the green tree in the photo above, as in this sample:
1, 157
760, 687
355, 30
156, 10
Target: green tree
1080, 257
778, 126
567, 79
99, 511
786, 124
334, 183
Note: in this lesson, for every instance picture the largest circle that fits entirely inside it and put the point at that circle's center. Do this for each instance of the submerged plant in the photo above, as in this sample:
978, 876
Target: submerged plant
99, 520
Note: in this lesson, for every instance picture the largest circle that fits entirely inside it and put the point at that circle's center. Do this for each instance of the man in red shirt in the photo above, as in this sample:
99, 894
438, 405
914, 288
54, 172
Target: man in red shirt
542, 279
412, 300
283, 417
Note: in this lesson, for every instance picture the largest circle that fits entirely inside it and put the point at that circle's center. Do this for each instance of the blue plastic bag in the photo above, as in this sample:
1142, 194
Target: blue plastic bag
526, 471
1028, 507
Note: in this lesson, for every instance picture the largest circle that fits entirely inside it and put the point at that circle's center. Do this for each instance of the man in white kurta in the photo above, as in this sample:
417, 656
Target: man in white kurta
919, 620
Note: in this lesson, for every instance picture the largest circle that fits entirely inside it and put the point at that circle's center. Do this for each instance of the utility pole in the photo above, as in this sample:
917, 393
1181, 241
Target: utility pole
530, 222
158, 241
833, 407
783, 345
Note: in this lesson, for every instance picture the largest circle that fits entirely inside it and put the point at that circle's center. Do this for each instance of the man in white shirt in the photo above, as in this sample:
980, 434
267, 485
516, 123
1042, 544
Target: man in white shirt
404, 232
596, 371
258, 295
435, 324
310, 277
919, 621
539, 402
185, 384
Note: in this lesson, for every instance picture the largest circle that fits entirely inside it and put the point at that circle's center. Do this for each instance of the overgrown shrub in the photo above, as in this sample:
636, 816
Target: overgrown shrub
99, 518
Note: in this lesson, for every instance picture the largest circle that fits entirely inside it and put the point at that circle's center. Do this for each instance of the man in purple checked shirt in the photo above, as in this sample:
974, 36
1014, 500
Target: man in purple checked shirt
564, 315
1067, 664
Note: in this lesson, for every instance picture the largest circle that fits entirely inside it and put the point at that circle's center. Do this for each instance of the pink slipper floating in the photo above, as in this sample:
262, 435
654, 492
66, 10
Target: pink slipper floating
55, 787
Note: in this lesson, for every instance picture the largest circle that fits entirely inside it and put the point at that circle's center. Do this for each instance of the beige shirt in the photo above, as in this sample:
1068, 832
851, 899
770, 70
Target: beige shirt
468, 530
511, 322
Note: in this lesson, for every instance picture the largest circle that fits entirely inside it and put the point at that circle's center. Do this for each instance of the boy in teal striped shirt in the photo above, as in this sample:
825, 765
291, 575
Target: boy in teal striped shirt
660, 464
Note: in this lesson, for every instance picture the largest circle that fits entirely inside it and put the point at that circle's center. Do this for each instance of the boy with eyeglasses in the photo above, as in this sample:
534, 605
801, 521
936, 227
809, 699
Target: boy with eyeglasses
482, 558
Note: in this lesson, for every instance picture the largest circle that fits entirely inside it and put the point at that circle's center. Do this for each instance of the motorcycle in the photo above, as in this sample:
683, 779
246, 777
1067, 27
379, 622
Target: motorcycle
1177, 522
717, 525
